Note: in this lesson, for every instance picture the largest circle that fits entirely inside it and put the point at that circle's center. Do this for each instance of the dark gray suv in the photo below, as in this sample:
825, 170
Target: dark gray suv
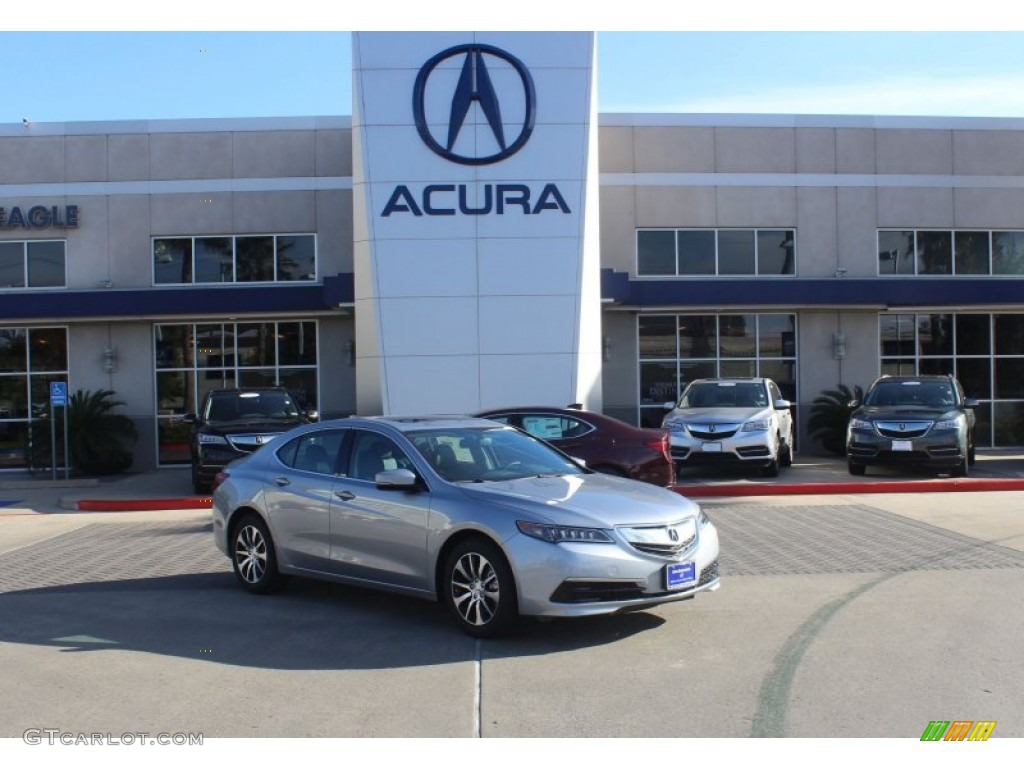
923, 420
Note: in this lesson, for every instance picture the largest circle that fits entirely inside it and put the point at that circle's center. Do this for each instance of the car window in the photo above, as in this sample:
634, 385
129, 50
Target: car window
551, 427
235, 406
724, 394
774, 391
373, 453
479, 455
313, 452
911, 393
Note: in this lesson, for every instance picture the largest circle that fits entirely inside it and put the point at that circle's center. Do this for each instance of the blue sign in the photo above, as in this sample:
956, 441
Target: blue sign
58, 394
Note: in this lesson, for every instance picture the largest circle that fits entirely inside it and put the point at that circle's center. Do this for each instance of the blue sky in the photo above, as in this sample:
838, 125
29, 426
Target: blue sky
116, 75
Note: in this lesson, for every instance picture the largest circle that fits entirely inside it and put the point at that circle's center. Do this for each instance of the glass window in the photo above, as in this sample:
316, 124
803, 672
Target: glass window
315, 451
257, 344
13, 396
776, 336
12, 265
1009, 424
254, 259
737, 335
296, 257
895, 253
975, 376
971, 253
658, 336
214, 260
1008, 253
548, 427
174, 348
13, 349
736, 252
1009, 377
658, 383
301, 383
173, 395
297, 343
172, 260
656, 252
935, 334
935, 253
698, 336
48, 349
897, 334
775, 248
973, 335
696, 252
1009, 334
373, 453
46, 264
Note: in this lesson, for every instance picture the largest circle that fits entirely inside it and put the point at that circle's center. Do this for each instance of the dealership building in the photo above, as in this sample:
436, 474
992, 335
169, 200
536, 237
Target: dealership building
477, 235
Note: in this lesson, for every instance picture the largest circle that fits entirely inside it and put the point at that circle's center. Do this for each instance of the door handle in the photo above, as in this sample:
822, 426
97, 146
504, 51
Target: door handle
345, 495
282, 481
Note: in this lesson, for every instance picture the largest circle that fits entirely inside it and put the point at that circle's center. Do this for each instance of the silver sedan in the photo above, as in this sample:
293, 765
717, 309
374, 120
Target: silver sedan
490, 521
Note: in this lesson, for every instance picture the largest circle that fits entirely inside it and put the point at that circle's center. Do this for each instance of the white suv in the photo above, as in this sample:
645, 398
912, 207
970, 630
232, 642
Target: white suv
744, 422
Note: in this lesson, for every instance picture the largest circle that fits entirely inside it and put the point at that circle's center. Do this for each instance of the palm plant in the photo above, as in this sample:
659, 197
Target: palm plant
830, 415
99, 442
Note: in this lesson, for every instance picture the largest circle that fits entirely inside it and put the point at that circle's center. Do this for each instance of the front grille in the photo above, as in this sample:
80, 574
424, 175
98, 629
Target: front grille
703, 432
903, 430
249, 443
667, 541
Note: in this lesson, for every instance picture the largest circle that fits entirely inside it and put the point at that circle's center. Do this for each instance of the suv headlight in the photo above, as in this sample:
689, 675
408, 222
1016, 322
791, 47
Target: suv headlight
758, 425
861, 424
205, 439
675, 425
947, 424
556, 534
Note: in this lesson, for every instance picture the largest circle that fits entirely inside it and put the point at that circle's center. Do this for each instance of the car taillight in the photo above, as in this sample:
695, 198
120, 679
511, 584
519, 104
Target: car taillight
219, 478
660, 445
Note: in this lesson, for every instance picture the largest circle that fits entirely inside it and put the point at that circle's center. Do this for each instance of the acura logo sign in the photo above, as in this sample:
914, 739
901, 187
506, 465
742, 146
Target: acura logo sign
476, 85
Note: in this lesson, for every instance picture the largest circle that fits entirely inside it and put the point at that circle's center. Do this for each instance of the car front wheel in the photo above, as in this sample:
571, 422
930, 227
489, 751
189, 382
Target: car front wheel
253, 556
856, 469
479, 589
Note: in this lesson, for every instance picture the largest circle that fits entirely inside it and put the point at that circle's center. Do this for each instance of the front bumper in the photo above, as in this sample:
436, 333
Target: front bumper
747, 448
575, 579
940, 449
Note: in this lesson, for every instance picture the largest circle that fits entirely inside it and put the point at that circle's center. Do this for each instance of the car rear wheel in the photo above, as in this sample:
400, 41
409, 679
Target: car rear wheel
253, 556
856, 469
479, 589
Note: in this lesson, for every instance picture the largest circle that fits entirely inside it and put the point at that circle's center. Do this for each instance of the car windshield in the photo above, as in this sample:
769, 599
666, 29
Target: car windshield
935, 394
724, 394
250, 406
475, 455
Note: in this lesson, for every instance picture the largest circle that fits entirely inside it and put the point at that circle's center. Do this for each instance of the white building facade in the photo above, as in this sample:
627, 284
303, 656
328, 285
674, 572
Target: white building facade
632, 253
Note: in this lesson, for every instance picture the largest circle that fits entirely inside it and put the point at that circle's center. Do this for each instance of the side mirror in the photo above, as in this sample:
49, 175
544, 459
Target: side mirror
970, 402
854, 404
782, 405
396, 479
312, 415
669, 406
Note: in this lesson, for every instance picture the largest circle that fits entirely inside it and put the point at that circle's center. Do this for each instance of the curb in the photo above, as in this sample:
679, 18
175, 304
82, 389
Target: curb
142, 505
814, 489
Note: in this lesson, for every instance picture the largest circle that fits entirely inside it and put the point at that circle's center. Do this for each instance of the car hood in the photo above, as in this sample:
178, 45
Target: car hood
905, 413
250, 426
717, 415
594, 500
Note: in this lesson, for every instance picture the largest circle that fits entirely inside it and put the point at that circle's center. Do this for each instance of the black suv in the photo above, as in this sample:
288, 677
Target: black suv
235, 422
923, 420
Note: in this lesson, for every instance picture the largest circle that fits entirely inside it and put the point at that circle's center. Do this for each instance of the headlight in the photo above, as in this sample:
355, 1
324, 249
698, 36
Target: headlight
702, 519
675, 426
947, 424
212, 440
760, 425
556, 534
861, 424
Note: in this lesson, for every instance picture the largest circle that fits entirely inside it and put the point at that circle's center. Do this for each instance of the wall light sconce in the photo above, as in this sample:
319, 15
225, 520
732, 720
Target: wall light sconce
606, 349
839, 346
110, 359
350, 352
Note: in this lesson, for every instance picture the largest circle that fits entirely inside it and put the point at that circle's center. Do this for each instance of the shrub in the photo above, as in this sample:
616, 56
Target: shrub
830, 415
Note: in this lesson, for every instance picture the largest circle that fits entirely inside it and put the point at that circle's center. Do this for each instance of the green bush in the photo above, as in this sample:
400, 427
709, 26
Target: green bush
99, 442
830, 415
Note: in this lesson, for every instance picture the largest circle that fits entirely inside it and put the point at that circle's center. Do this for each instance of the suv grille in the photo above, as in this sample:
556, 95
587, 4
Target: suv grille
249, 443
903, 429
712, 431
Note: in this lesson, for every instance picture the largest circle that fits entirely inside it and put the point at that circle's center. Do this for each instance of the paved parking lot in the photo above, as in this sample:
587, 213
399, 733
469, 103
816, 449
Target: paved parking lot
838, 616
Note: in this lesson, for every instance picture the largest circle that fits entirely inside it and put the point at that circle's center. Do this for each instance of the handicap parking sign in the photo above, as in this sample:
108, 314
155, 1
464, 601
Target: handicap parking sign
58, 394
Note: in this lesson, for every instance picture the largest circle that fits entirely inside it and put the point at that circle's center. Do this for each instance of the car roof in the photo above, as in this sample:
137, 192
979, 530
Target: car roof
732, 379
922, 377
417, 423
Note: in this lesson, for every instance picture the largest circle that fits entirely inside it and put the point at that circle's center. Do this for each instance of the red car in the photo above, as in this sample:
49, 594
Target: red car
605, 444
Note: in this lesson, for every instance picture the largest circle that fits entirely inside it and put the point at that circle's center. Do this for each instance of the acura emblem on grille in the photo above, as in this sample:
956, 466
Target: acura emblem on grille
673, 534
903, 427
711, 428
